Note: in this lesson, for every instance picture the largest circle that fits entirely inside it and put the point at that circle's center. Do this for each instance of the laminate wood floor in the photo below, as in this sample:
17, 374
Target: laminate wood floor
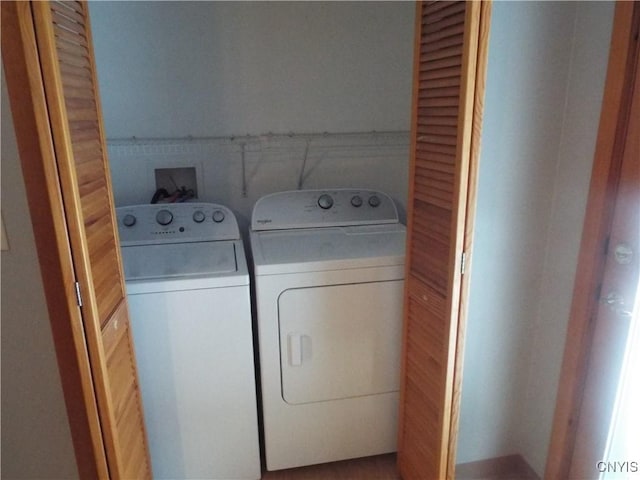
380, 467
383, 467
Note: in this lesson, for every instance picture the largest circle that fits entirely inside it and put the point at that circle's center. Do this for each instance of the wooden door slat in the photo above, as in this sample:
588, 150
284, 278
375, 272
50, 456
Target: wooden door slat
432, 175
75, 6
435, 34
442, 44
61, 8
438, 102
68, 69
65, 37
439, 120
430, 183
439, 111
426, 91
73, 45
433, 233
433, 7
446, 87
441, 73
454, 51
89, 146
66, 23
86, 173
76, 81
432, 157
442, 21
78, 93
84, 130
426, 147
428, 63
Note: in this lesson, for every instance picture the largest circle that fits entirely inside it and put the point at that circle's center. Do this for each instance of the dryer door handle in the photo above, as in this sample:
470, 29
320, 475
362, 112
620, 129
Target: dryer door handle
299, 346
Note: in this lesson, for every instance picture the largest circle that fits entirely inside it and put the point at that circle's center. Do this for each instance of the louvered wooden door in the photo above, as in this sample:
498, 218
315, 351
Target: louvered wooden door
449, 72
69, 78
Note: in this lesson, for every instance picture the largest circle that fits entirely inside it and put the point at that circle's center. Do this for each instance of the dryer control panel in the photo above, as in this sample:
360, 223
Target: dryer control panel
175, 223
322, 208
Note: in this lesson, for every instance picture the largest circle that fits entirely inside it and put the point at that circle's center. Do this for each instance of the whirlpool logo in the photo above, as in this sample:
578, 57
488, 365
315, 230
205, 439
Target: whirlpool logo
264, 221
618, 467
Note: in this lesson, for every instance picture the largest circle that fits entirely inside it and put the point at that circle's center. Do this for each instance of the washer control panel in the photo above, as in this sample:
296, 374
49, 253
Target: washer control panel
175, 223
322, 208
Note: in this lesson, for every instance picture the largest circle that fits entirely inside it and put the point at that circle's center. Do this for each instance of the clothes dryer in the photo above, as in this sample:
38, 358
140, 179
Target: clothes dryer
329, 270
188, 293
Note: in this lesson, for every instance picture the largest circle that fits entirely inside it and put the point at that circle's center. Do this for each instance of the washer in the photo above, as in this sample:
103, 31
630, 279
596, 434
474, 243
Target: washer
188, 293
329, 270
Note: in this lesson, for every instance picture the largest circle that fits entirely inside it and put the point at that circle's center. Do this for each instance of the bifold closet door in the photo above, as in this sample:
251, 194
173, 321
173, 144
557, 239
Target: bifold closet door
66, 55
57, 54
449, 73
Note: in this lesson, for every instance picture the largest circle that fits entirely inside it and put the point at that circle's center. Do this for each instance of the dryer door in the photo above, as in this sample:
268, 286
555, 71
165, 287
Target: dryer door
340, 341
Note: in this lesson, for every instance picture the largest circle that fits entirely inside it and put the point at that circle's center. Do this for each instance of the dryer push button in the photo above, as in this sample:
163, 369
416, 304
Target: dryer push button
218, 216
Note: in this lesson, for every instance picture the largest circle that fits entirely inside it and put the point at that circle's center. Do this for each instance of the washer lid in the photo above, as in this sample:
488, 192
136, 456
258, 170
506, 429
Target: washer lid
320, 249
179, 260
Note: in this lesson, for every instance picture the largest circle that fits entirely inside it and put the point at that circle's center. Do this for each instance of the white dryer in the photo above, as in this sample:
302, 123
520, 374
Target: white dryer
329, 270
188, 293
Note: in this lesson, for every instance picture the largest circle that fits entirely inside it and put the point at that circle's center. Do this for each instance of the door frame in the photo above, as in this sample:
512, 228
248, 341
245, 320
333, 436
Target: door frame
605, 176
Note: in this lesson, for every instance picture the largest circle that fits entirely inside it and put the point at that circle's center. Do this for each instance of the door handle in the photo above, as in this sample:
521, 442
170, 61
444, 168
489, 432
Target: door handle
295, 349
615, 302
299, 348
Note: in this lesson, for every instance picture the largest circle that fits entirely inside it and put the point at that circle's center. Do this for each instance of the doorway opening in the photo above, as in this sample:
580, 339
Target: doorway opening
621, 453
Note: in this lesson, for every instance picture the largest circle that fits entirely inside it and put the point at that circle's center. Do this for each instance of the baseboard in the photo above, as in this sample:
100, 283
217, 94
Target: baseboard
512, 467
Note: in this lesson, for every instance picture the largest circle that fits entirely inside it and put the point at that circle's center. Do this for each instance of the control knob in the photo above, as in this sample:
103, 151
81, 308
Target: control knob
198, 216
374, 201
164, 217
356, 201
218, 216
129, 220
325, 201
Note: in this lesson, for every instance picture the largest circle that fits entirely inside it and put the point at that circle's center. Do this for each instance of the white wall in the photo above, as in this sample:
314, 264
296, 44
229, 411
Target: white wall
590, 49
249, 69
36, 440
547, 62
172, 69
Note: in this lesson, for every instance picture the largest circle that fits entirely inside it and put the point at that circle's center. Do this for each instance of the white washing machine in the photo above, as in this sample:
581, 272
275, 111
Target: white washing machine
188, 292
329, 270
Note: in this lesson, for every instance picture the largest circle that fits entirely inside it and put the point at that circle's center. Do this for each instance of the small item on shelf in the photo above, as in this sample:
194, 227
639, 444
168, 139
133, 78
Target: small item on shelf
182, 194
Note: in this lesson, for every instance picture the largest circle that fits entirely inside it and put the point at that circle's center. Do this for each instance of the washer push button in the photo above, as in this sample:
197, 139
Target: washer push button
325, 201
164, 217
